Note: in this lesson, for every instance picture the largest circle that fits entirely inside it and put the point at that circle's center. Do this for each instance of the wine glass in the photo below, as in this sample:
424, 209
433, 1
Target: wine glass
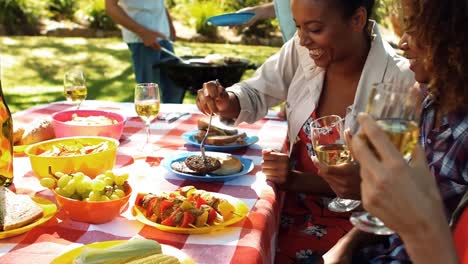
330, 149
396, 113
74, 84
147, 103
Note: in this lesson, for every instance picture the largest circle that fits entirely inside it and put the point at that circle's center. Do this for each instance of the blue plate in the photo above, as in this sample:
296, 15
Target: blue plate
189, 137
231, 19
247, 166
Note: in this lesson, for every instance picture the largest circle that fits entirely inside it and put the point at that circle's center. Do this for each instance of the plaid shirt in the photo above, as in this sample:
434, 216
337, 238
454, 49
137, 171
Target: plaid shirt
446, 148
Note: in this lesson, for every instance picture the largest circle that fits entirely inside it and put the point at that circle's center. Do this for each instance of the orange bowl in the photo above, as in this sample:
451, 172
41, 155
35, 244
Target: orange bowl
93, 212
63, 128
91, 164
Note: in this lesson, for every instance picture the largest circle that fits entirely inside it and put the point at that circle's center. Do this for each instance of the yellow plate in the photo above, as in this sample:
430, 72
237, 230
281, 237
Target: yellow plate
49, 210
241, 210
69, 256
19, 148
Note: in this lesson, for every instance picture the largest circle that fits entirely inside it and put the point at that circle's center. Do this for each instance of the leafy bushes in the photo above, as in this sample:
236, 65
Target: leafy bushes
62, 9
200, 10
20, 17
97, 17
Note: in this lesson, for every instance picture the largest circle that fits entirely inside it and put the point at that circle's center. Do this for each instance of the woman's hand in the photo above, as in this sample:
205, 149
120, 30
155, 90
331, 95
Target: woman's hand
403, 196
343, 179
275, 166
212, 98
150, 39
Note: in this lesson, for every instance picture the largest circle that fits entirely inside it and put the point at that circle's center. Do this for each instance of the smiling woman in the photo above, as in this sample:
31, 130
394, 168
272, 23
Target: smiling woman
327, 68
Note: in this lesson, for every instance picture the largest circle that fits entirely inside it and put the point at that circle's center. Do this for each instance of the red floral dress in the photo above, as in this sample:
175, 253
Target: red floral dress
307, 229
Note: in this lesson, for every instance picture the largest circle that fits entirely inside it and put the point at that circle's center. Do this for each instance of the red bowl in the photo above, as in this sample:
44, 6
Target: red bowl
63, 129
93, 212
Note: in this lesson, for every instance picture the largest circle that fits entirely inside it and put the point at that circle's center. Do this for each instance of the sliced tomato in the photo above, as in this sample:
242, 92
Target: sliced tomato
211, 216
188, 219
150, 208
164, 205
170, 221
200, 202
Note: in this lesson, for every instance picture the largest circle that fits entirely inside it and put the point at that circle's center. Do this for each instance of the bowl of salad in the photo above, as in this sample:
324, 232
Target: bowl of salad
73, 123
90, 155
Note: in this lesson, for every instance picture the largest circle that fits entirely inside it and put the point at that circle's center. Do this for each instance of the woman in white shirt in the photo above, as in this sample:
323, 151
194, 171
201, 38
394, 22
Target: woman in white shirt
330, 65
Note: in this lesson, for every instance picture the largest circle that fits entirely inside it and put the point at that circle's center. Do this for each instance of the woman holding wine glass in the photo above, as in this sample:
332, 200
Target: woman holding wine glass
436, 44
330, 64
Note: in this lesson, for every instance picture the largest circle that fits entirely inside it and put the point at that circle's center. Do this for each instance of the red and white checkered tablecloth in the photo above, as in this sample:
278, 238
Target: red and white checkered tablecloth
249, 241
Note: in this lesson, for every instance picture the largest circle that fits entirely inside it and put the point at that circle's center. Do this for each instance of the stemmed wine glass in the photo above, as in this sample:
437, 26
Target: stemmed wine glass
330, 149
397, 114
147, 103
74, 84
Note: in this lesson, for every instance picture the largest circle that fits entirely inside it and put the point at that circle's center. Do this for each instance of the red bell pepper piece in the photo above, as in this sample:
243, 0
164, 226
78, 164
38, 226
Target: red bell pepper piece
211, 216
170, 221
150, 208
200, 202
188, 219
163, 206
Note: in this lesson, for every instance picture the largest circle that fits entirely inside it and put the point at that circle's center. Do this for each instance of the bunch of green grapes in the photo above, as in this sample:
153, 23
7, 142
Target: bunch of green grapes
78, 186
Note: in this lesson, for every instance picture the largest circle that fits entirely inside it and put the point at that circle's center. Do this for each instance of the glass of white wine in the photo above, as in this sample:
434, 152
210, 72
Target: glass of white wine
74, 84
147, 103
397, 114
327, 135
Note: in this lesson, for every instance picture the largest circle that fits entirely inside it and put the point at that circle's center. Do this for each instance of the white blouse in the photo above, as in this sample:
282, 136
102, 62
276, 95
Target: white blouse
291, 75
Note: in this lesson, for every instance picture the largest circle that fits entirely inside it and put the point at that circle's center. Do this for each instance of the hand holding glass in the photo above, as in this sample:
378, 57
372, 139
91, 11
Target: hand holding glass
330, 149
74, 84
396, 113
147, 103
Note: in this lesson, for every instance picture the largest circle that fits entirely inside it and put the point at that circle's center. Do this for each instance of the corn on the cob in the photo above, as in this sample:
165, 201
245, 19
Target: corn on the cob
156, 259
120, 253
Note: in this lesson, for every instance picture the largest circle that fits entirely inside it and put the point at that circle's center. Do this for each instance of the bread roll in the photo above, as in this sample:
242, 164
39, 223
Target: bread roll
223, 140
18, 132
39, 130
216, 126
229, 165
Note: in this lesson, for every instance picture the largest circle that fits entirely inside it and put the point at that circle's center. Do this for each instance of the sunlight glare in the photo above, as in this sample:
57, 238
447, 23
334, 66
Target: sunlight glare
9, 41
75, 41
42, 53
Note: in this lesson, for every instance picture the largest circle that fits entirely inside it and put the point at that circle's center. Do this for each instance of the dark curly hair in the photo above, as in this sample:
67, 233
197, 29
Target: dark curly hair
441, 27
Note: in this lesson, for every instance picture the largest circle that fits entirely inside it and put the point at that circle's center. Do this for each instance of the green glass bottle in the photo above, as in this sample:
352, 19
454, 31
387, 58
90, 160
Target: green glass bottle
6, 141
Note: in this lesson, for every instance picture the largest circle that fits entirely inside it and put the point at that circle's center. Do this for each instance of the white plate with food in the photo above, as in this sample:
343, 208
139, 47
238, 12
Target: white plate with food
220, 137
226, 168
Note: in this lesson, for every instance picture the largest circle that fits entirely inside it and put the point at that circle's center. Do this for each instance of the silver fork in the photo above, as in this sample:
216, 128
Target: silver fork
202, 145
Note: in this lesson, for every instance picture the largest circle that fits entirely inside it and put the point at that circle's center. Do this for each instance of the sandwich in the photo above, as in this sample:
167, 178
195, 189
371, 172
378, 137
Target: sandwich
219, 133
17, 210
221, 164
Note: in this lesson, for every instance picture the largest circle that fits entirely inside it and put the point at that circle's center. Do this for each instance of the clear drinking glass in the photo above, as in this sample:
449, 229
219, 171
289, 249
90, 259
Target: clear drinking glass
330, 149
74, 84
147, 103
397, 114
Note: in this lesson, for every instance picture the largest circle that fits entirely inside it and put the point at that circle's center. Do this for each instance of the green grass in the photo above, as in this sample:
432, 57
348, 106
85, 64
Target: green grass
33, 67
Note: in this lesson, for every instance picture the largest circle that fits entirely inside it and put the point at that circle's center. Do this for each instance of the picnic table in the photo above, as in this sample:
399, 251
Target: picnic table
251, 240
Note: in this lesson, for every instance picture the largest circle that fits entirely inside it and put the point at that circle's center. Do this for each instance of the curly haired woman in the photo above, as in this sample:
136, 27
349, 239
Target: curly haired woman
436, 42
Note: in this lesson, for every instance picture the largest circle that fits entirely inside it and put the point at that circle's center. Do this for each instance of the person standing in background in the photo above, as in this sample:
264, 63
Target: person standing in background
281, 9
147, 26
